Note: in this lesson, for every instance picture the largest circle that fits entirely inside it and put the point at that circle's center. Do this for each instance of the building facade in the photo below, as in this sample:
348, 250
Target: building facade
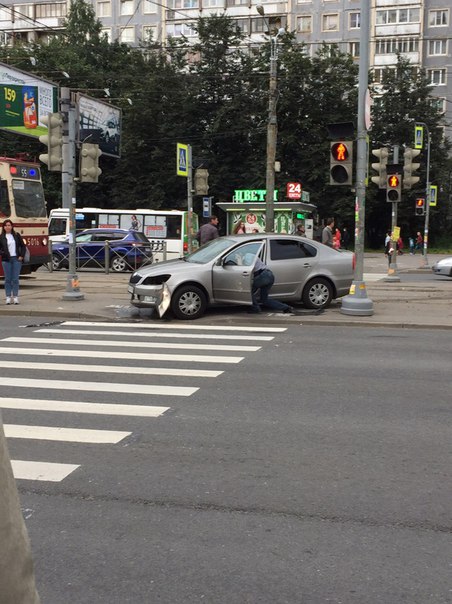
419, 29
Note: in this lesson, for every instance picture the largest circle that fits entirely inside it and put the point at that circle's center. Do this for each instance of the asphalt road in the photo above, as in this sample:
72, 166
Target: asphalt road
316, 469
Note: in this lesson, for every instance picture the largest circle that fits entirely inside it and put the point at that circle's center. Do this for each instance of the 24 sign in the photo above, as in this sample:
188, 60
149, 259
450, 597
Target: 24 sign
293, 190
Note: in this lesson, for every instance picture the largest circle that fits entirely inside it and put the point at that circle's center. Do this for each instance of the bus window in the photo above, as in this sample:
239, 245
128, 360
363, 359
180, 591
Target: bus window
5, 208
164, 226
29, 199
109, 221
57, 226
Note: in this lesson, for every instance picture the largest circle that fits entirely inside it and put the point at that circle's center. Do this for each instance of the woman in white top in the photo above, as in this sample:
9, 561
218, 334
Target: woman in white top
12, 250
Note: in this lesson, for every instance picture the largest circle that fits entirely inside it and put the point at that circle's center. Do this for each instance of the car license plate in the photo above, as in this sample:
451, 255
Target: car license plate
149, 299
130, 289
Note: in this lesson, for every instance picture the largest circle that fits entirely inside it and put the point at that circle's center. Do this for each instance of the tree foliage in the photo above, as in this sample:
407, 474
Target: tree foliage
214, 96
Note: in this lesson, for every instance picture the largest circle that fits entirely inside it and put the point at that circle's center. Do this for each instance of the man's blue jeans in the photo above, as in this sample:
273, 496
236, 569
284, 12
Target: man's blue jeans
263, 283
11, 270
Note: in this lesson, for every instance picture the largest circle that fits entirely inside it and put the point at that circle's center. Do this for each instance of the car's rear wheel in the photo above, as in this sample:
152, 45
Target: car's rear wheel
56, 262
317, 293
188, 302
119, 264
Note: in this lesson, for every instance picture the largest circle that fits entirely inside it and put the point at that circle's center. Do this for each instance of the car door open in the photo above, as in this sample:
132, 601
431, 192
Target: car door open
232, 273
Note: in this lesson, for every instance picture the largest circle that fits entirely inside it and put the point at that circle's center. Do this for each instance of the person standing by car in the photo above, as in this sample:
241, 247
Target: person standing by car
327, 233
419, 241
345, 238
208, 231
12, 250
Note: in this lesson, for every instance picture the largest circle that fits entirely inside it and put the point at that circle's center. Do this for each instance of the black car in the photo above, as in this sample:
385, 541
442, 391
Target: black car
125, 250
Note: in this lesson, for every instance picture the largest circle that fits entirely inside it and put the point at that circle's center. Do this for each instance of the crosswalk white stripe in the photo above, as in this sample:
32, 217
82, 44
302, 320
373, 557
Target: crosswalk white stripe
74, 435
138, 334
41, 470
240, 328
374, 276
123, 369
30, 404
99, 386
132, 356
118, 343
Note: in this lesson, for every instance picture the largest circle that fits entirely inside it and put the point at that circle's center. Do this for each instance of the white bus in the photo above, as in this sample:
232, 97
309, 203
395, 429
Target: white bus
170, 226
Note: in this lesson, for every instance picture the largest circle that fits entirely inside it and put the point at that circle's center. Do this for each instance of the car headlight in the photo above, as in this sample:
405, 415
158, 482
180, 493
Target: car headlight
156, 280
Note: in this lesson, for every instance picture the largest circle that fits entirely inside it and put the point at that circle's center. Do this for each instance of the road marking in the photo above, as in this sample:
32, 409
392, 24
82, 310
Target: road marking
240, 328
41, 470
152, 389
118, 343
124, 369
132, 356
79, 407
374, 276
137, 334
73, 435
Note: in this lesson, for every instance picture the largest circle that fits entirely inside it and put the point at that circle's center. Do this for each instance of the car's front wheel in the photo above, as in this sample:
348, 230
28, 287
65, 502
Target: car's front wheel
317, 293
119, 264
188, 302
56, 262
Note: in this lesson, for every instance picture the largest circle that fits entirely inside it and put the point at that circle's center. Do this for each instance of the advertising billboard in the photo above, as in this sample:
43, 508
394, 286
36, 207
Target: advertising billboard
24, 100
99, 123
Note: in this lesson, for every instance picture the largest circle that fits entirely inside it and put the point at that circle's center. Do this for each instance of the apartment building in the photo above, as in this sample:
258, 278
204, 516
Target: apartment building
420, 29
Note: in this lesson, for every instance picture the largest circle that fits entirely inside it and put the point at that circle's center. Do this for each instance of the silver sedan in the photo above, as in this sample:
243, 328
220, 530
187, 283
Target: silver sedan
221, 273
443, 267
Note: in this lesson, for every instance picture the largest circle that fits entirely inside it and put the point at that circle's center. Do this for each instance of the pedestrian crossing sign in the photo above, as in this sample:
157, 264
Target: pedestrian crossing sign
433, 195
418, 137
182, 160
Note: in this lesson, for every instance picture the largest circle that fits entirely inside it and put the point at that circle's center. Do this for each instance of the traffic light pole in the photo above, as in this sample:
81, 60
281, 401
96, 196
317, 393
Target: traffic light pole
189, 199
427, 198
272, 133
392, 275
68, 190
357, 302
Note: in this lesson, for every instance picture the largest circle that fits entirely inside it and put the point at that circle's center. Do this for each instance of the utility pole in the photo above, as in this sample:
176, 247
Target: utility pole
357, 302
68, 190
189, 199
427, 197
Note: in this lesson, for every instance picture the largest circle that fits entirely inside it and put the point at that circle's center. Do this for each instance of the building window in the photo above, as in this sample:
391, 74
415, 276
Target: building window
127, 35
149, 7
330, 22
126, 7
353, 49
438, 103
400, 15
149, 33
387, 46
305, 24
354, 20
176, 30
107, 32
50, 10
5, 14
437, 47
213, 4
243, 25
172, 4
438, 18
104, 9
437, 77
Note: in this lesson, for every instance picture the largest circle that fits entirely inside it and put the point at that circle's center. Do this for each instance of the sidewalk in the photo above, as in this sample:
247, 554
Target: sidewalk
405, 304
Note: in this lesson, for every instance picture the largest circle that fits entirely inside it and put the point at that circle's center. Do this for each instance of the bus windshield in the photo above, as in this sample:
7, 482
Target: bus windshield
29, 199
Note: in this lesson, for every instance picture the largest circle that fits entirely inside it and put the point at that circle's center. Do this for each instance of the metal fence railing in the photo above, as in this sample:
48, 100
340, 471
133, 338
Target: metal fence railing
107, 257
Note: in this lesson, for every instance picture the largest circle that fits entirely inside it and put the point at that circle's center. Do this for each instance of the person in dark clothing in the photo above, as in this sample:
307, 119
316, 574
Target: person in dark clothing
263, 279
208, 231
345, 238
12, 251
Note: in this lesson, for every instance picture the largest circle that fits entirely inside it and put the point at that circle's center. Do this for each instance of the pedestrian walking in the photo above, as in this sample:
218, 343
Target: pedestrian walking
337, 239
327, 233
419, 241
12, 251
345, 238
301, 231
208, 231
400, 246
412, 248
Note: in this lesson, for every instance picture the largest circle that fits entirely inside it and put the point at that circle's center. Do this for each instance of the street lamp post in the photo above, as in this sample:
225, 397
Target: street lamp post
272, 128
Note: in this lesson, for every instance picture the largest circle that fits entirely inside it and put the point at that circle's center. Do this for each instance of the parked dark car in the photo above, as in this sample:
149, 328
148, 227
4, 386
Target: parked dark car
127, 250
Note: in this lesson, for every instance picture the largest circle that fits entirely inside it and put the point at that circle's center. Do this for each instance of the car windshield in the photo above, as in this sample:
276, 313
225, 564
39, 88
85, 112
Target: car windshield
209, 251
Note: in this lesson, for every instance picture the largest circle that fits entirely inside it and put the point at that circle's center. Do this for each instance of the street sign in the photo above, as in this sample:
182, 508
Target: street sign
293, 190
206, 207
418, 137
182, 160
433, 195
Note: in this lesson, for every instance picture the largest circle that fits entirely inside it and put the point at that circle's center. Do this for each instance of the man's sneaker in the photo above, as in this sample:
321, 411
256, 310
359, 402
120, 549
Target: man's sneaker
289, 310
8, 301
16, 300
